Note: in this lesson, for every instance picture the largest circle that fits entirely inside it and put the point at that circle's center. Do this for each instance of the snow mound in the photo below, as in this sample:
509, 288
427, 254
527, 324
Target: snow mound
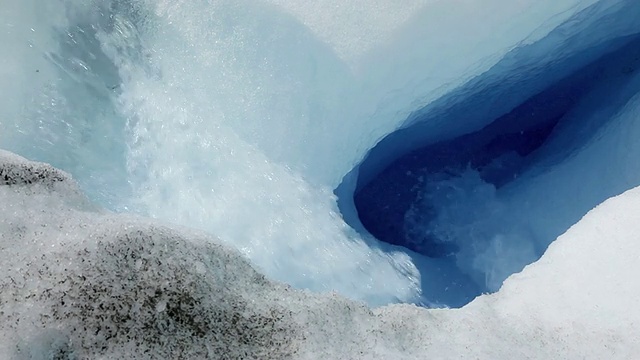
80, 284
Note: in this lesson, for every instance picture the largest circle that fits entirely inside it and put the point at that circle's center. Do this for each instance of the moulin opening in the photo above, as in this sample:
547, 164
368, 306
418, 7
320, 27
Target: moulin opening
386, 205
424, 187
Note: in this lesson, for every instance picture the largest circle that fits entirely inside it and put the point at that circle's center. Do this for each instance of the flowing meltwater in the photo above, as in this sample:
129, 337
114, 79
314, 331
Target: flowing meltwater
417, 152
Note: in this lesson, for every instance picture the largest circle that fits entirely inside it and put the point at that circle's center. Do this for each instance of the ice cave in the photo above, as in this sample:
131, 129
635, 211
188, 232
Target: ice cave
310, 180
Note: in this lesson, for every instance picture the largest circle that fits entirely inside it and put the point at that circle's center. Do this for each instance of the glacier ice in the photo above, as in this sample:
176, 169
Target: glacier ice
242, 118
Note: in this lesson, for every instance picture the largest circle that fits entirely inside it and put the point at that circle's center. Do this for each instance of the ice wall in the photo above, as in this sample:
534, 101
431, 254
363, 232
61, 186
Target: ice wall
58, 93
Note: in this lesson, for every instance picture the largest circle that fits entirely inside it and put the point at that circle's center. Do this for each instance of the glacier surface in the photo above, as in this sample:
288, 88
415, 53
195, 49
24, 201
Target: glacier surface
267, 124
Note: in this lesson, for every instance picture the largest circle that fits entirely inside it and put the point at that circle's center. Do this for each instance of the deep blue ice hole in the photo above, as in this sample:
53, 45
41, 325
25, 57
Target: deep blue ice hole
496, 126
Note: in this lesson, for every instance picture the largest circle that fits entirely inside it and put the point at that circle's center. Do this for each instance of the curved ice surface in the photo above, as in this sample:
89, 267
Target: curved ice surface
454, 193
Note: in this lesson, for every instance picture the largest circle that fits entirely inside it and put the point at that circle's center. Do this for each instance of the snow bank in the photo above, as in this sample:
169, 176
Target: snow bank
576, 302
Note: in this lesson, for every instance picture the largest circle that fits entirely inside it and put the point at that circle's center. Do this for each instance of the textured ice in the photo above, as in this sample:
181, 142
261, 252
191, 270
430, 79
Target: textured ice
79, 283
83, 284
